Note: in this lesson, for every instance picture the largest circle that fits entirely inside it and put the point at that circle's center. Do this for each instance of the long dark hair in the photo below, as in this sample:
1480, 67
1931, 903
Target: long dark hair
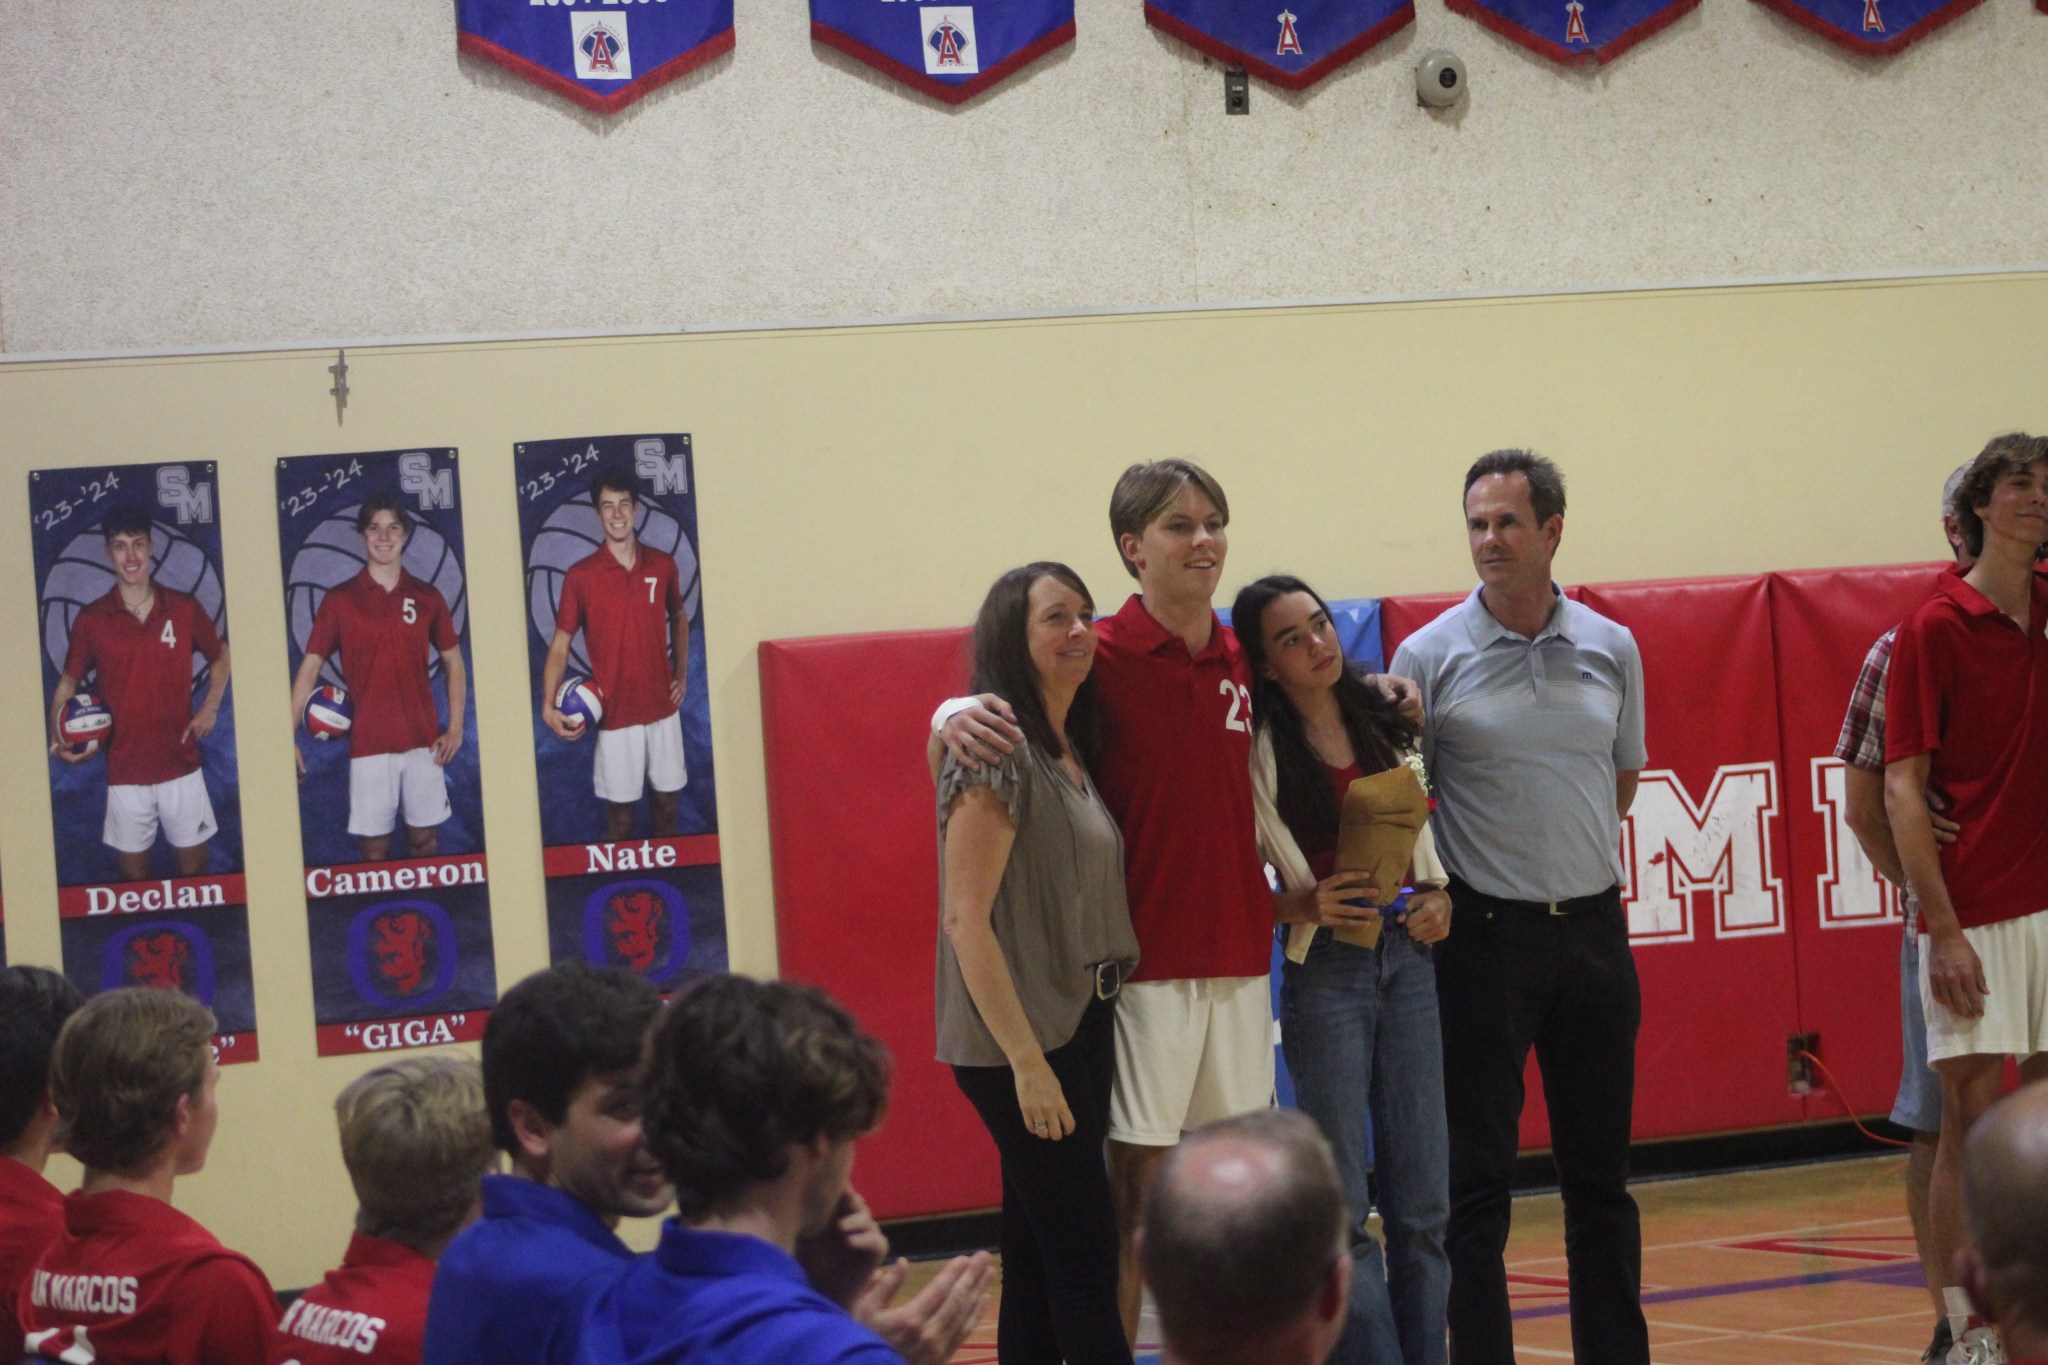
1002, 662
1377, 729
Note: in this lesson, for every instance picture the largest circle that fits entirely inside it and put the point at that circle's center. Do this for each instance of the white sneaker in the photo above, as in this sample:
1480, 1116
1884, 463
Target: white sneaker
1978, 1345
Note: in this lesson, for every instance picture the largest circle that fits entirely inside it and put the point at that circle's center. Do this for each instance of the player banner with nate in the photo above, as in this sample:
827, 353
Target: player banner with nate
145, 804
398, 906
622, 717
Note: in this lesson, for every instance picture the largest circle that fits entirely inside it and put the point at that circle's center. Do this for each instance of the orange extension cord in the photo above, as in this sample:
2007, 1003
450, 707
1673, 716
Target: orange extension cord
1835, 1087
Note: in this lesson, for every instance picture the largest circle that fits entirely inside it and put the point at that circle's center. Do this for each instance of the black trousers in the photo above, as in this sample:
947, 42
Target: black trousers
1059, 1241
1510, 977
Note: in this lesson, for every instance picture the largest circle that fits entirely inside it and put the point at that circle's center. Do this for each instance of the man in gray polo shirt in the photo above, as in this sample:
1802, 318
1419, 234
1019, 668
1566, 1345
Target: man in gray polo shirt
1534, 739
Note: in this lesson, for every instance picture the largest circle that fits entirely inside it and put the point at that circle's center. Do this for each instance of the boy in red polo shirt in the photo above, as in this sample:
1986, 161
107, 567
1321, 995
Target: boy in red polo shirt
627, 599
140, 638
417, 1144
34, 1003
383, 621
1967, 711
131, 1279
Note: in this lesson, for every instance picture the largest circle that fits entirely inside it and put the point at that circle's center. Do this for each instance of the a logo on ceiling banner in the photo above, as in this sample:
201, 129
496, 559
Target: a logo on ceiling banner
1574, 30
952, 52
603, 54
1875, 28
1292, 44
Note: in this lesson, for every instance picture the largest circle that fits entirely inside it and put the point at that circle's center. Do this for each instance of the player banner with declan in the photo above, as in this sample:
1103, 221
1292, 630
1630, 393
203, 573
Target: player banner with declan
950, 51
603, 54
622, 714
398, 907
145, 804
1290, 43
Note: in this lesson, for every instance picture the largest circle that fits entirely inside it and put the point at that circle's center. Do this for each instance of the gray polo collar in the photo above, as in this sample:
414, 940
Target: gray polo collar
1487, 631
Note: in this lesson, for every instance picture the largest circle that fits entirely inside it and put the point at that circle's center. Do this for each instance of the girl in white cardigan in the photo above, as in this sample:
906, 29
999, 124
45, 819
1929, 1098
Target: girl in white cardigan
1358, 1022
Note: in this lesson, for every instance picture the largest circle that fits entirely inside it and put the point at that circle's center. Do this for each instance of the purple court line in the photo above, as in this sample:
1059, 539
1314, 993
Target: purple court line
1904, 1273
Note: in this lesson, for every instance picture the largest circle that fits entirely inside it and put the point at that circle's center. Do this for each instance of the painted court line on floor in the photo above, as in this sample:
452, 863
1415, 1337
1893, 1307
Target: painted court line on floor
1906, 1274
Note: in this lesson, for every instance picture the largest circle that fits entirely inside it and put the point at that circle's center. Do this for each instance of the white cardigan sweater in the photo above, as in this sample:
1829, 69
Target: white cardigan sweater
1276, 843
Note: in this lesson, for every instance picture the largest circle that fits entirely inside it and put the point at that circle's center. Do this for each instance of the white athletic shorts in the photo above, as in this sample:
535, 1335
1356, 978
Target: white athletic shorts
1189, 1052
180, 807
382, 786
2014, 953
633, 758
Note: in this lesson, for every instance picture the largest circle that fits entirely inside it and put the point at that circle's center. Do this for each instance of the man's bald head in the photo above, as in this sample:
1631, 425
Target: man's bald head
1242, 1229
2005, 1184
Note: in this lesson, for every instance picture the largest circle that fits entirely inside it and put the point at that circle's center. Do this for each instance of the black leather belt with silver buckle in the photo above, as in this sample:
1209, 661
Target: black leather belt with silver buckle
1109, 979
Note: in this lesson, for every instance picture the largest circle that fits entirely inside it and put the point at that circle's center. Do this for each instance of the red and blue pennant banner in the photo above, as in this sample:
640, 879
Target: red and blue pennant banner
1574, 30
376, 593
628, 792
145, 799
603, 54
1288, 43
1875, 28
949, 51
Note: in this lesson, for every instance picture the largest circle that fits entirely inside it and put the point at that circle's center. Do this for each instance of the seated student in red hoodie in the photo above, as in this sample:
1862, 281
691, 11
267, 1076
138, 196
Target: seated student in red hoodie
417, 1144
130, 1279
34, 1003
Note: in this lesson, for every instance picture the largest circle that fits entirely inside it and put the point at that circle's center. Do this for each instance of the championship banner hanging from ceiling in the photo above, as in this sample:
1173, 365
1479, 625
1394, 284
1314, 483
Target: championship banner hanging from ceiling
621, 705
1874, 28
603, 54
1288, 43
145, 796
1573, 30
391, 822
950, 51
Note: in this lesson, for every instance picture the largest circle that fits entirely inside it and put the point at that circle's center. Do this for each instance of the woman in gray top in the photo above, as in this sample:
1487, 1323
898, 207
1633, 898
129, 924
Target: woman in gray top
1036, 939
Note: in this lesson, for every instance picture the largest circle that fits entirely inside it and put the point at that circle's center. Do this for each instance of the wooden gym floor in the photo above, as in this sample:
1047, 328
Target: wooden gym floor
1806, 1265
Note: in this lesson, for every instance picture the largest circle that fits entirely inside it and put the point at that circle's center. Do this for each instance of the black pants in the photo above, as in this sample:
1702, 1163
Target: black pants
1510, 977
1059, 1240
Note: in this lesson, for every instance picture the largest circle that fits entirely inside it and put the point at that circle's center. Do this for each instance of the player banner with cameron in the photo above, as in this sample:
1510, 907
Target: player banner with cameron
622, 719
145, 802
397, 887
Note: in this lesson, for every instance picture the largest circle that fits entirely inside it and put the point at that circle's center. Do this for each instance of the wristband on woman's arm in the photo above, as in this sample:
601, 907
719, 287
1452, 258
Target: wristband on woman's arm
950, 708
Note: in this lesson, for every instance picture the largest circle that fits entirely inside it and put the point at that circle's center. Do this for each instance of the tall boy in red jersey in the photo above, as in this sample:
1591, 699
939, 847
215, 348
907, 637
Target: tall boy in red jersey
383, 621
141, 637
627, 598
1194, 1025
1966, 711
130, 1278
34, 1003
417, 1144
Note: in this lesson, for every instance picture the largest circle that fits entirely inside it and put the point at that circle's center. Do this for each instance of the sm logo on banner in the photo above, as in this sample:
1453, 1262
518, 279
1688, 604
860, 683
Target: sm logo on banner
1687, 858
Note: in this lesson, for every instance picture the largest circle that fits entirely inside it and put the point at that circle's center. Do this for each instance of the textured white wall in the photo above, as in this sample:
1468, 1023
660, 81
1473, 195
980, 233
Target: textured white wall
212, 172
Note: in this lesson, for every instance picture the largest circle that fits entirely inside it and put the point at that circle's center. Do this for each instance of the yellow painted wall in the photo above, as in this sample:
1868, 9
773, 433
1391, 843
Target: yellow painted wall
873, 479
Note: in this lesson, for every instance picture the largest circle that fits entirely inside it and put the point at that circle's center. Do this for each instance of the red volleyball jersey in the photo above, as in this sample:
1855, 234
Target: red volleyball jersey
1969, 688
373, 1309
145, 678
624, 615
385, 637
132, 1280
1175, 771
31, 1216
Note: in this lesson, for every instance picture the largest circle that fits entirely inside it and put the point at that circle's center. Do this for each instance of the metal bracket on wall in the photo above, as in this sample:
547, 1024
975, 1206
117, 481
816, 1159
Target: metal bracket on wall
339, 369
1237, 91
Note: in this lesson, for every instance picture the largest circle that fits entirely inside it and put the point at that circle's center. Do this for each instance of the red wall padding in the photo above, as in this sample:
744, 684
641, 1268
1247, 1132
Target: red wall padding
851, 821
1746, 681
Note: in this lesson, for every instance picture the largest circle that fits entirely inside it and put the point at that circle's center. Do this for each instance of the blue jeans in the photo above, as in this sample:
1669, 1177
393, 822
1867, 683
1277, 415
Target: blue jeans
1359, 1031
